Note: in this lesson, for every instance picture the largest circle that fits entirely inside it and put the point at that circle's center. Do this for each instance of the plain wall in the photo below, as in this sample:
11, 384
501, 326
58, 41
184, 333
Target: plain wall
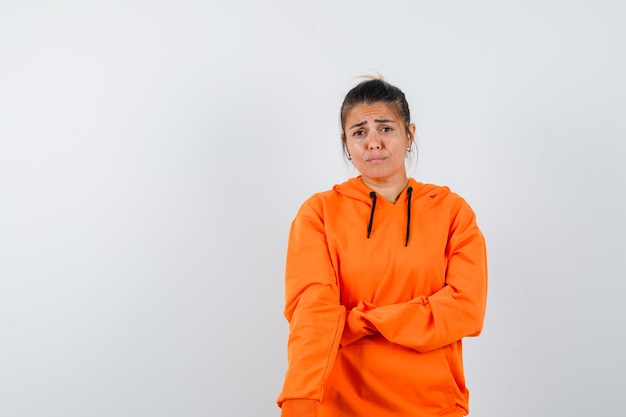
154, 153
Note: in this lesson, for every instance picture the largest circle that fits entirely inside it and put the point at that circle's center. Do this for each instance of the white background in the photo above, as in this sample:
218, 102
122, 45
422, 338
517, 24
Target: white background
153, 154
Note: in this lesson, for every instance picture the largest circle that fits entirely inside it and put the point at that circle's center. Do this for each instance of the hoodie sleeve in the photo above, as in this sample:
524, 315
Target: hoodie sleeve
455, 311
312, 308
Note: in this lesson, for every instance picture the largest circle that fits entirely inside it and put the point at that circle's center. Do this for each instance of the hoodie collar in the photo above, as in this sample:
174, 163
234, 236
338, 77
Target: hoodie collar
356, 189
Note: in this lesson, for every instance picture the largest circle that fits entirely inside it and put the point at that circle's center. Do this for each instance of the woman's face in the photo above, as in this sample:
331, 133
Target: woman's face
376, 138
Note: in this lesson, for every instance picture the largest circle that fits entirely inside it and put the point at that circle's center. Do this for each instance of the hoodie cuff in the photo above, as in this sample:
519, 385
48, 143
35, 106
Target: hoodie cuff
299, 407
357, 325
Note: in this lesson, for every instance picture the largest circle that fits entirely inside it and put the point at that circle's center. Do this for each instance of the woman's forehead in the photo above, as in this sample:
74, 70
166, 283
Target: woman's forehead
378, 110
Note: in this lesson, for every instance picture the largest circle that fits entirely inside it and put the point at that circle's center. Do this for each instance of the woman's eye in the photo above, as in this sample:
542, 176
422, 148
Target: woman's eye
386, 129
358, 133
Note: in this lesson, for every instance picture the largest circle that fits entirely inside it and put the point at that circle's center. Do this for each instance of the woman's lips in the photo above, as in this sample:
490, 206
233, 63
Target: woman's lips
376, 158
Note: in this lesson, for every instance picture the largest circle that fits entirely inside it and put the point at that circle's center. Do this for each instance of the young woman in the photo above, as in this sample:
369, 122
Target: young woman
385, 276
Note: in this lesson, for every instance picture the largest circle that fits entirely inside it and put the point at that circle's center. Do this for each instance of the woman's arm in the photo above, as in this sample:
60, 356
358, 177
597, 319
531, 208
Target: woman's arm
312, 308
455, 311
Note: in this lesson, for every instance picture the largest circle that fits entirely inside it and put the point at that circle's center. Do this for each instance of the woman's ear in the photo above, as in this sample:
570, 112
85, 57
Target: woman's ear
411, 134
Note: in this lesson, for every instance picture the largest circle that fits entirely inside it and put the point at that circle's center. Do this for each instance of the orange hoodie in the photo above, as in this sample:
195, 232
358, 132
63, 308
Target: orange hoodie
378, 297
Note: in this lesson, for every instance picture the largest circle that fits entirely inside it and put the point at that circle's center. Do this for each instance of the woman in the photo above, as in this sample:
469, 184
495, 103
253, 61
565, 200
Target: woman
385, 275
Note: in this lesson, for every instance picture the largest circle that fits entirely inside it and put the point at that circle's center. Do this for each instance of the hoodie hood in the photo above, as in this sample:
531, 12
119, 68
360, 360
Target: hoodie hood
411, 195
355, 188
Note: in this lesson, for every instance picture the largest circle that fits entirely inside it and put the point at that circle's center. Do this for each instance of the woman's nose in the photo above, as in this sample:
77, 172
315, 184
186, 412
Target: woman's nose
373, 141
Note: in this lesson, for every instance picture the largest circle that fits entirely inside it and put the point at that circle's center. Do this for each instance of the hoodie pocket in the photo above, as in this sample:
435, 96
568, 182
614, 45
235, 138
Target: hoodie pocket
392, 378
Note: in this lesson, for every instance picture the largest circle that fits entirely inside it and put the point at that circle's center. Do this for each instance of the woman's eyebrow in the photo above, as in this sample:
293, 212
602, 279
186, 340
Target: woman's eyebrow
364, 122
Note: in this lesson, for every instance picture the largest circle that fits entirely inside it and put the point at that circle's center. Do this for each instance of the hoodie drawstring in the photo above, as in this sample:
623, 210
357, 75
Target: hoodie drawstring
369, 226
409, 193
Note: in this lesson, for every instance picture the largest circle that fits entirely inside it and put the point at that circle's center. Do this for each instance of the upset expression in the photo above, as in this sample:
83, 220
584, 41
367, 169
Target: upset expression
377, 139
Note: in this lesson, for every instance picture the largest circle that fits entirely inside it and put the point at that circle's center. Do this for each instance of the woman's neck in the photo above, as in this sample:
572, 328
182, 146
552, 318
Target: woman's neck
390, 191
